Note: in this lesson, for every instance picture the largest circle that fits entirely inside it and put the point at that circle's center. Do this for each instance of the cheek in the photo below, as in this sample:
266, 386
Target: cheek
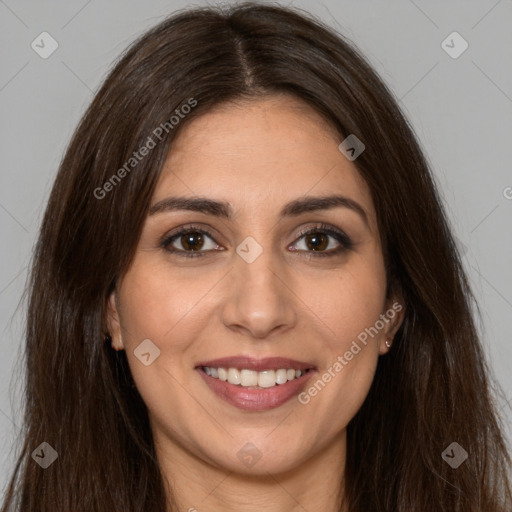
163, 309
350, 301
349, 314
333, 397
157, 304
172, 309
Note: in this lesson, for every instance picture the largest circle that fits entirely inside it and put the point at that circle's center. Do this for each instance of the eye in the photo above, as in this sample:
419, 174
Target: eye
323, 240
190, 241
318, 239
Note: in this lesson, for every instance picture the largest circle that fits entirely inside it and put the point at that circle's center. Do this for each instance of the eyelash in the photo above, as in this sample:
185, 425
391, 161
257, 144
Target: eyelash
346, 244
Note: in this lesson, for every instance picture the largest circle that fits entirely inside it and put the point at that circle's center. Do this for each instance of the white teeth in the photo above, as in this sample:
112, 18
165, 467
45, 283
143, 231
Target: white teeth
252, 378
233, 376
267, 379
281, 376
248, 378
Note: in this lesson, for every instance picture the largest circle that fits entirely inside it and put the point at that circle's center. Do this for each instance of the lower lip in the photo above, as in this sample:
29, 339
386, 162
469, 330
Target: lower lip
256, 399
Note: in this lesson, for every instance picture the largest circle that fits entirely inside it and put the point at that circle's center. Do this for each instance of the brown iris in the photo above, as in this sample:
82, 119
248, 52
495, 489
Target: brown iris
192, 241
317, 241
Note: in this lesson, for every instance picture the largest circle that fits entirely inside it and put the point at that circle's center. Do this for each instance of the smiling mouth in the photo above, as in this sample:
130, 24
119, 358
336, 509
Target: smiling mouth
252, 379
255, 384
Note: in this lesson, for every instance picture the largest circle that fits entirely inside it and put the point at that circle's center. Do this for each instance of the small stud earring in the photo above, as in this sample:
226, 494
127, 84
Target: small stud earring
388, 344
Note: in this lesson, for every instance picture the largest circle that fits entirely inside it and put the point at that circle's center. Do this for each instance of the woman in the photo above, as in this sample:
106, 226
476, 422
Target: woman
245, 294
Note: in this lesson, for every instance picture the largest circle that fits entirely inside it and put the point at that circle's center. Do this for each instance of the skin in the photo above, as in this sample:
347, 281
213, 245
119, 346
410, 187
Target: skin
257, 155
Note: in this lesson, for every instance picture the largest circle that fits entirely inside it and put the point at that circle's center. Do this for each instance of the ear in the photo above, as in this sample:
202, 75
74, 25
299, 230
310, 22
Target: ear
113, 324
393, 316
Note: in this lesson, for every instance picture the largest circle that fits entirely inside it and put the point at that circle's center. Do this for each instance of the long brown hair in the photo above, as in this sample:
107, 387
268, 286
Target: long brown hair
432, 389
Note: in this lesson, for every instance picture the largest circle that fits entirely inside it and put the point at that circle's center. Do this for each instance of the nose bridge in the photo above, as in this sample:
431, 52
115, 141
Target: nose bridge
256, 269
259, 300
260, 274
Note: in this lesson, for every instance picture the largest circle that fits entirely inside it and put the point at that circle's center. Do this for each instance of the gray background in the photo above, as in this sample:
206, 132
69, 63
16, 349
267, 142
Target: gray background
460, 108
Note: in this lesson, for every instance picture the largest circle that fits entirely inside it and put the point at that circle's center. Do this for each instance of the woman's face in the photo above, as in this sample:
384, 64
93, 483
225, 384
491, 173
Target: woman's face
234, 276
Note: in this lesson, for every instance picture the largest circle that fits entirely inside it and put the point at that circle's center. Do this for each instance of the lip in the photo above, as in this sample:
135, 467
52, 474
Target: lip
256, 399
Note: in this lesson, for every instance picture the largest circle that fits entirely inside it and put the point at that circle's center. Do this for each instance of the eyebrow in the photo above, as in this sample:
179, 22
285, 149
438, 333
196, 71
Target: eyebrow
292, 209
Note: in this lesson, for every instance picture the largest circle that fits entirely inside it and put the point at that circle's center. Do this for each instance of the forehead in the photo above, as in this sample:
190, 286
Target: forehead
265, 151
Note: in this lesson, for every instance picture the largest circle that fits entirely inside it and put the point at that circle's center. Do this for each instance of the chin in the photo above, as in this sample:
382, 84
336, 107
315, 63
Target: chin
261, 455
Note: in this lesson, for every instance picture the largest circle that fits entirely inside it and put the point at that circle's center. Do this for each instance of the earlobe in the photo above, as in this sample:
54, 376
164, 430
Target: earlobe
395, 313
113, 324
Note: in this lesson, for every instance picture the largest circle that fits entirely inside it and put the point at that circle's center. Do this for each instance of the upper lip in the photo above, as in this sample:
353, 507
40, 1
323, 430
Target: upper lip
251, 363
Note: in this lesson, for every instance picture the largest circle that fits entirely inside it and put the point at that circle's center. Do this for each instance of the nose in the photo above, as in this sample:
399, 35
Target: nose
260, 300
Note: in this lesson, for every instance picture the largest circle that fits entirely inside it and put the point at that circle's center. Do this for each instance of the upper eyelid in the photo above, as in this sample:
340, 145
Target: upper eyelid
208, 231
